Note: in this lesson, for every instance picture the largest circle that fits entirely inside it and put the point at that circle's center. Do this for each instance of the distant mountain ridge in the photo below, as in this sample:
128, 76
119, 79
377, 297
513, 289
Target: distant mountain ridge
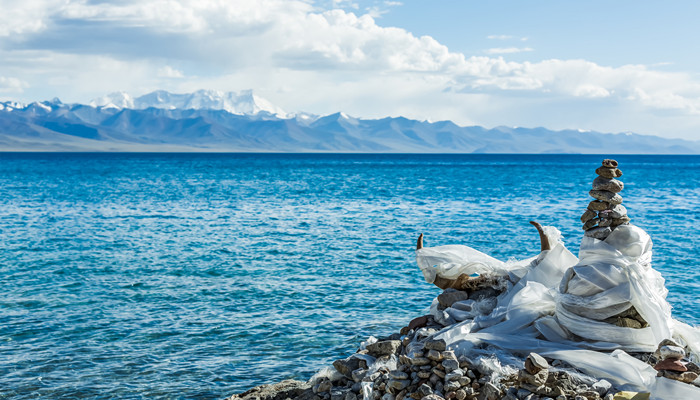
244, 122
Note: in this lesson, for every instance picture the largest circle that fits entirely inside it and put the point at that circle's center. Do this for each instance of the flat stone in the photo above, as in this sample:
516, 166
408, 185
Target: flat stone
598, 233
620, 221
670, 365
449, 355
418, 322
491, 391
538, 361
611, 185
439, 345
398, 375
441, 374
590, 224
671, 352
588, 215
424, 390
384, 348
686, 377
608, 173
424, 374
451, 296
605, 222
432, 397
608, 197
347, 366
420, 361
597, 205
398, 384
618, 211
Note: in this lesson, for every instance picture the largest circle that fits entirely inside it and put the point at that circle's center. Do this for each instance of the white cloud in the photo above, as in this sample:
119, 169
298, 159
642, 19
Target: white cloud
169, 72
12, 85
335, 58
508, 50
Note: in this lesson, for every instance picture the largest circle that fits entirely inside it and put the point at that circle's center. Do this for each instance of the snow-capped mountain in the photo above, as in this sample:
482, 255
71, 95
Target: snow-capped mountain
243, 122
242, 103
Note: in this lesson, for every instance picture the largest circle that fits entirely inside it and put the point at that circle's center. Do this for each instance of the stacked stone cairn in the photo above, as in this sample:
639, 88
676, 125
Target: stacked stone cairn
606, 212
672, 363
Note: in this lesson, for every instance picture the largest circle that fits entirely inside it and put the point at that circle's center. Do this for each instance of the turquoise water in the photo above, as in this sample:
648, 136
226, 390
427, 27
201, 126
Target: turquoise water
197, 276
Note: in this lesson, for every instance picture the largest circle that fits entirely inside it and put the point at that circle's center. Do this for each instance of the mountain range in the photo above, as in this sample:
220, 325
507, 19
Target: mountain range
244, 122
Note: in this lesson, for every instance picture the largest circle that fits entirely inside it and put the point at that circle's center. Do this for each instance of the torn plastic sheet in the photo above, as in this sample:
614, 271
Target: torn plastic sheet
557, 303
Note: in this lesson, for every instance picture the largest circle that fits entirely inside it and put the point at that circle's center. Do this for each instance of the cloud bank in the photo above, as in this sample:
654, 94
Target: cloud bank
320, 58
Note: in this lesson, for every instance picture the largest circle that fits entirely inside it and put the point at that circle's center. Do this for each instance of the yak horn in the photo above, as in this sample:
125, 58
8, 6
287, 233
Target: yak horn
419, 244
544, 241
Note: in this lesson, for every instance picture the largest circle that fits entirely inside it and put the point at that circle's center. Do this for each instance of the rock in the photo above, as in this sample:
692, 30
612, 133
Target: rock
424, 374
398, 375
598, 233
604, 222
618, 211
670, 365
597, 205
424, 390
522, 394
460, 394
434, 355
384, 348
454, 375
339, 393
350, 396
358, 374
398, 384
538, 361
439, 345
602, 387
620, 221
692, 367
611, 185
450, 364
590, 224
432, 397
608, 173
451, 296
346, 366
672, 352
387, 396
451, 386
439, 373
609, 163
588, 215
449, 355
286, 389
608, 197
420, 361
685, 377
491, 392
324, 386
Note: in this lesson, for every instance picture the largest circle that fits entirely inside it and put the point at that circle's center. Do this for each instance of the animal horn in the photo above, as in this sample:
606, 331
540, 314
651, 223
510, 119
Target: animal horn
544, 241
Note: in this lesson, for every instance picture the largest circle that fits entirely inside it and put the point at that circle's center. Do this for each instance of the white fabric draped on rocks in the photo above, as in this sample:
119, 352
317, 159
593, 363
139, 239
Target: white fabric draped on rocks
555, 304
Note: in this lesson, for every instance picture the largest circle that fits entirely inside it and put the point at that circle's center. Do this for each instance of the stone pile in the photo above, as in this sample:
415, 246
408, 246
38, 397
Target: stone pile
672, 365
605, 212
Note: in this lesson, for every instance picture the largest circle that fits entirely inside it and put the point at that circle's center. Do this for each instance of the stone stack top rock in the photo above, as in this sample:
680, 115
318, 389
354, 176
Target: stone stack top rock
606, 212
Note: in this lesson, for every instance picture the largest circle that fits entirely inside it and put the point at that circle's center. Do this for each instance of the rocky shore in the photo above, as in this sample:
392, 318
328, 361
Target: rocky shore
411, 365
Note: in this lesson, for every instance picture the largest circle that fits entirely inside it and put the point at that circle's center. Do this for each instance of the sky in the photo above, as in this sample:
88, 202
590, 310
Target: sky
610, 66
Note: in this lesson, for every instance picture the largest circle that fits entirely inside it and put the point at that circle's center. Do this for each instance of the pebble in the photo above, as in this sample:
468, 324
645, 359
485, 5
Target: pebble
424, 374
608, 197
420, 361
605, 222
439, 373
672, 352
609, 173
538, 361
611, 185
461, 394
588, 215
609, 163
598, 233
424, 390
449, 355
451, 386
590, 224
432, 397
398, 375
597, 205
620, 221
451, 296
602, 387
454, 375
398, 384
670, 365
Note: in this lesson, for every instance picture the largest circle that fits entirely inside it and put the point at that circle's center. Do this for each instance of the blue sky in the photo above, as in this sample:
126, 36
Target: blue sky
610, 66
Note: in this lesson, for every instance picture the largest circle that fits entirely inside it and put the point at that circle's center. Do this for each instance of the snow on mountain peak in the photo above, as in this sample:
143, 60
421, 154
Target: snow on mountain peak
244, 102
